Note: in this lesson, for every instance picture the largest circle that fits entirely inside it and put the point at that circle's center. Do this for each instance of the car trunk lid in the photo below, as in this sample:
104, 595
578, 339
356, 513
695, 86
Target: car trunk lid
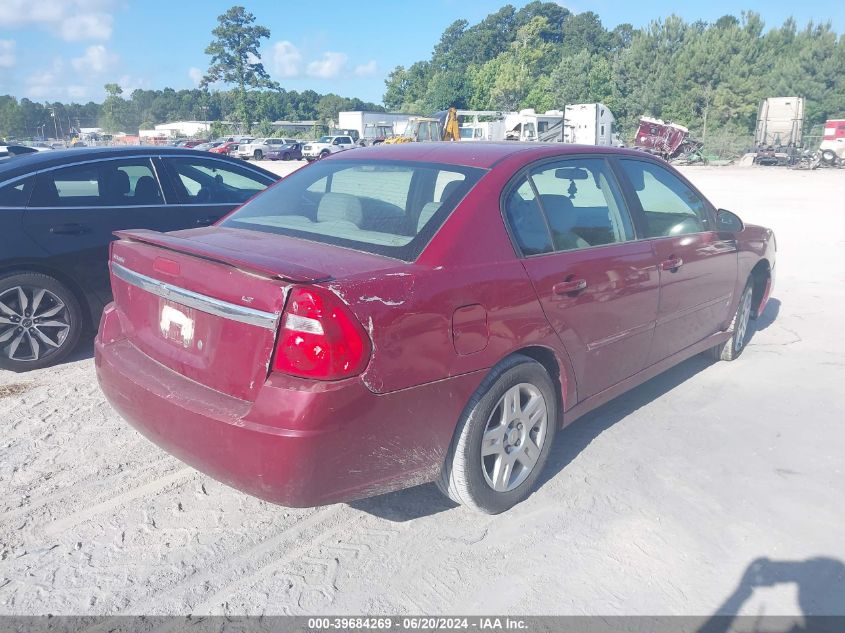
210, 311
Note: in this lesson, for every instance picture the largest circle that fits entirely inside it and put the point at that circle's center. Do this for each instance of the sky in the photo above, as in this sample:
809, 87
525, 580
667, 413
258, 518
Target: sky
66, 50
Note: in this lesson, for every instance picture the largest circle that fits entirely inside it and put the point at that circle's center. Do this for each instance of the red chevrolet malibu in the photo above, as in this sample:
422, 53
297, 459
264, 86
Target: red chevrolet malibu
423, 312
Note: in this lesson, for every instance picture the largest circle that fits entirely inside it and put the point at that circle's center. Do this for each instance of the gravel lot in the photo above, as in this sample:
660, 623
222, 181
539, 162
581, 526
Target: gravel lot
657, 503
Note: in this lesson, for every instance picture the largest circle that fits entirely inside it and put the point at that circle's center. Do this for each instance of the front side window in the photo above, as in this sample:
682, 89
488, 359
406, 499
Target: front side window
201, 181
17, 193
581, 203
670, 207
391, 208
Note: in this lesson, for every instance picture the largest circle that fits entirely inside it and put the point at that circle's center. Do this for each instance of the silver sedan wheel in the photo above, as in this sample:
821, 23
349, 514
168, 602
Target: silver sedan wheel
34, 323
742, 320
514, 437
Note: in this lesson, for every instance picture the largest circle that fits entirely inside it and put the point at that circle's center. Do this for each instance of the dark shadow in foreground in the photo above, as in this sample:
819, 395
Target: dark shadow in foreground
821, 594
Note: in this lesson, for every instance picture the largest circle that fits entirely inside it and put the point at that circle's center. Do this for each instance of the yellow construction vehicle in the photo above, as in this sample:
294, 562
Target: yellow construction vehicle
451, 129
430, 129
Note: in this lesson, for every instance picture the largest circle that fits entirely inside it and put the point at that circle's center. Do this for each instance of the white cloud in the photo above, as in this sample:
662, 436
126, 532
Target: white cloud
129, 84
57, 82
91, 26
7, 53
286, 59
366, 70
96, 60
45, 83
329, 67
195, 74
76, 92
73, 20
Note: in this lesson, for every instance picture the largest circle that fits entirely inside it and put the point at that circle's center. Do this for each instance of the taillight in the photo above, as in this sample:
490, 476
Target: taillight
320, 338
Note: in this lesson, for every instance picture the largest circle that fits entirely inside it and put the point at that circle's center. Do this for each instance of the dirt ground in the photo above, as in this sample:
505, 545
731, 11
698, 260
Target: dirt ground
658, 503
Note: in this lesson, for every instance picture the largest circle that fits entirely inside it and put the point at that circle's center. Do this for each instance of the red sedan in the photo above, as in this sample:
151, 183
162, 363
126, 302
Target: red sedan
224, 148
423, 312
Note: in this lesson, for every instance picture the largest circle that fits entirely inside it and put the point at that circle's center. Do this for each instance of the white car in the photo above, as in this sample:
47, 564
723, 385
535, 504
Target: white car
325, 146
260, 146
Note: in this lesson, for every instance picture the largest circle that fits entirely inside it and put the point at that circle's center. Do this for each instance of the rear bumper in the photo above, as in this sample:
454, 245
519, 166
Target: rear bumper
301, 443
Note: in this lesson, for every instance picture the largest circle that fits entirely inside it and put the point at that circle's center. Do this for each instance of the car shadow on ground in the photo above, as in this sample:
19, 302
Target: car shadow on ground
770, 314
84, 350
820, 584
426, 500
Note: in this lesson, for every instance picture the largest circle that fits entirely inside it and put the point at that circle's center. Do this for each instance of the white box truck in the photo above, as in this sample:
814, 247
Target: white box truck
590, 124
780, 127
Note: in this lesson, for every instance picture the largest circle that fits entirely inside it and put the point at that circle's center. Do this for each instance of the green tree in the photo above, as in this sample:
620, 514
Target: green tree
235, 57
117, 114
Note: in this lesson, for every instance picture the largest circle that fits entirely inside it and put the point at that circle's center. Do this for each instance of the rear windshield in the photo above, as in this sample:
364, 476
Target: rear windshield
389, 208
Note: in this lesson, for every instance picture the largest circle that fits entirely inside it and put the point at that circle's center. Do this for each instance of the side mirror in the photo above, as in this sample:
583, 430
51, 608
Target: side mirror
727, 221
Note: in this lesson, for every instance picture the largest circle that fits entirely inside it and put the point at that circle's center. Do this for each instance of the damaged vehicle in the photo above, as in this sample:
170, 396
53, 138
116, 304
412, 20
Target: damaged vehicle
422, 312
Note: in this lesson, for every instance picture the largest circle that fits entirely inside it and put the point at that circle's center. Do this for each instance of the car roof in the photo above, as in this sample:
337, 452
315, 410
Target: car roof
35, 161
484, 154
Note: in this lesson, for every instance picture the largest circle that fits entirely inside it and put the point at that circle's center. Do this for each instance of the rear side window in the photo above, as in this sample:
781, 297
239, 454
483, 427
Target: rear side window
111, 183
69, 187
578, 205
582, 204
670, 207
202, 181
526, 221
17, 193
390, 208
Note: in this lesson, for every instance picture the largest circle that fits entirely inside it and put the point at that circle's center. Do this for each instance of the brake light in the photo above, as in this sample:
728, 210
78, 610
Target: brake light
320, 338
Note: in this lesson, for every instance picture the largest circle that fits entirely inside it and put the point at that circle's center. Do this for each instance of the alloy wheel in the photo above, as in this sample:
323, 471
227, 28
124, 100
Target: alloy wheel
34, 323
742, 320
513, 437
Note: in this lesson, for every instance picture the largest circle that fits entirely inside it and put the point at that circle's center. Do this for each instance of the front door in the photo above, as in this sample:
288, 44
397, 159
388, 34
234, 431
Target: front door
598, 286
698, 266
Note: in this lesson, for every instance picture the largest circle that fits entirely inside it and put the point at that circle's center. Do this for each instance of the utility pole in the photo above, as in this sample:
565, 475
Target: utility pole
55, 125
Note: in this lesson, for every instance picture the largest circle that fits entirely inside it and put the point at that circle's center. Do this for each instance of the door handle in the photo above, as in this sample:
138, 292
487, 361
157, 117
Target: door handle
569, 287
71, 228
672, 264
207, 221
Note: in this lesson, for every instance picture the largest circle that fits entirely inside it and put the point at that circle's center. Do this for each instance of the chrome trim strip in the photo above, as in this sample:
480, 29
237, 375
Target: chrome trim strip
203, 303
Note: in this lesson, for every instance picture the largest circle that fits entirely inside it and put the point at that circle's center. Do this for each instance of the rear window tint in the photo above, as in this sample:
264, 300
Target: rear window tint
390, 208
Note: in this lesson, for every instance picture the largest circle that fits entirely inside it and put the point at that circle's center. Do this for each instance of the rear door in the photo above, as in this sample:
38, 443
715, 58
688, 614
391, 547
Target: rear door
698, 266
208, 188
597, 284
74, 210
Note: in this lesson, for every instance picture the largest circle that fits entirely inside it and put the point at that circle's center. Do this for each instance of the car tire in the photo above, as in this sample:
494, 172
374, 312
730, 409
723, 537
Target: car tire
517, 393
324, 154
36, 340
258, 154
739, 328
286, 156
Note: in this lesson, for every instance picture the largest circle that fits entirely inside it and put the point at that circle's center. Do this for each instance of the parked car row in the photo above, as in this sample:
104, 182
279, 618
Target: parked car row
247, 148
